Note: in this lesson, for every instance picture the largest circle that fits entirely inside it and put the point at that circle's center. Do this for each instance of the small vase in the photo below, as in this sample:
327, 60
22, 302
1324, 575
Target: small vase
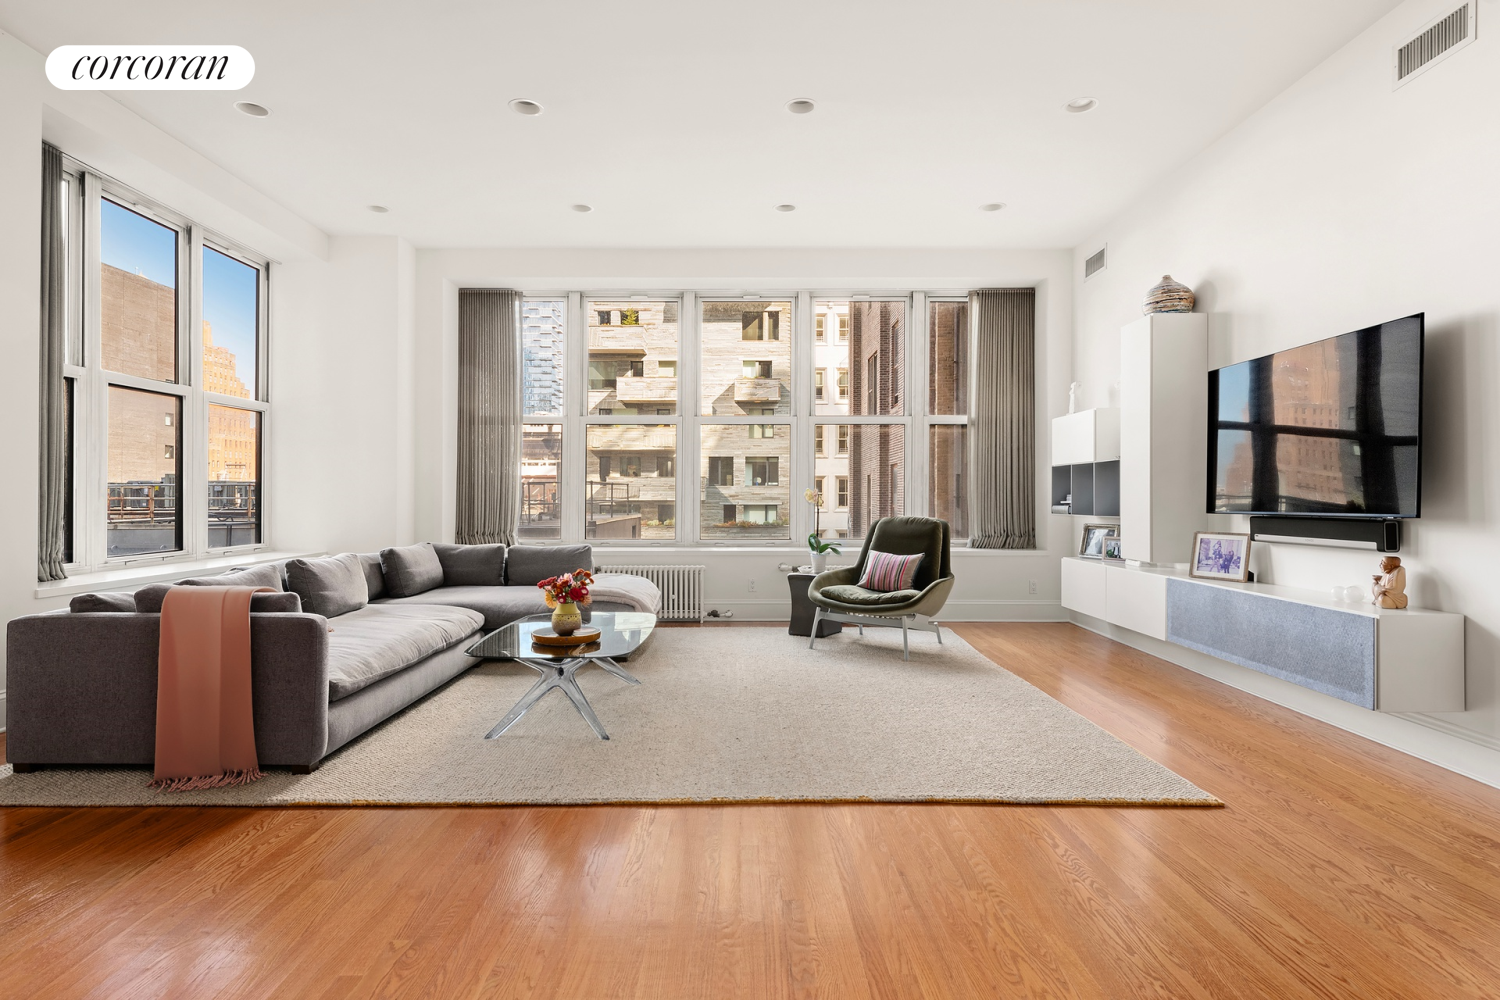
1169, 297
566, 618
819, 562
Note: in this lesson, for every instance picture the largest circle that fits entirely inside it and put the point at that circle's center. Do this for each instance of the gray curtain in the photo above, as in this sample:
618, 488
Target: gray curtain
52, 447
489, 416
1004, 441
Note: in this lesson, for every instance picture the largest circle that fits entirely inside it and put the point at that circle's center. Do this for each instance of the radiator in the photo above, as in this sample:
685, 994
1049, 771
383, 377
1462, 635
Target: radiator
681, 589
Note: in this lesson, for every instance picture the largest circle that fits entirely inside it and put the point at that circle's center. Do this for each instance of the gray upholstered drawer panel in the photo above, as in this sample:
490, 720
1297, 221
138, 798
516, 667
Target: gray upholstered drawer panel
1324, 649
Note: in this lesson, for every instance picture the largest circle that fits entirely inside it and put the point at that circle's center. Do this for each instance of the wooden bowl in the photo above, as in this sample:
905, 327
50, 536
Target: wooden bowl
584, 635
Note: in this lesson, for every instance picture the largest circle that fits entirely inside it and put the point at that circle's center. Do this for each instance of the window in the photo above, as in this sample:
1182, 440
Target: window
732, 385
948, 357
871, 456
762, 430
625, 341
174, 458
818, 439
947, 409
760, 491
869, 357
872, 384
541, 461
947, 461
843, 439
630, 492
818, 385
843, 493
544, 331
820, 327
844, 327
843, 385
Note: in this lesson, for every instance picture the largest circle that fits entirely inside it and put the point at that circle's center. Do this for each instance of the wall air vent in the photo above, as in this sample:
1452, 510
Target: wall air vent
1095, 264
1436, 41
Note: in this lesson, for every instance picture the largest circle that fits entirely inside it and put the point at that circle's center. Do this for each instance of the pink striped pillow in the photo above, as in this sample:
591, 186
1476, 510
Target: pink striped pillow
886, 572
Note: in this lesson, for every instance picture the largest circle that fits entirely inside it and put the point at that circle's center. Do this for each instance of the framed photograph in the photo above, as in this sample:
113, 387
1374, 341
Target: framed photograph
1092, 544
1112, 549
1220, 555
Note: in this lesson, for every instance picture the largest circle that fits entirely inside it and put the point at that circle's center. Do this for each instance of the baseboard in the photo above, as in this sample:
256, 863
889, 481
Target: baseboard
770, 610
1433, 740
2, 711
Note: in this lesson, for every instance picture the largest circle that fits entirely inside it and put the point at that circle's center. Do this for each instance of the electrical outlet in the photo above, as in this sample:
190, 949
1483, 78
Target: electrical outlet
752, 585
1031, 586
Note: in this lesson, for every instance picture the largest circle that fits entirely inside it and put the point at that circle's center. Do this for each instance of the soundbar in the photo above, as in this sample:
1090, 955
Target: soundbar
1348, 533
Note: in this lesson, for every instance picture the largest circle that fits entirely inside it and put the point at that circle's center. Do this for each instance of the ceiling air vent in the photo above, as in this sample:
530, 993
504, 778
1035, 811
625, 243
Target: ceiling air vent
1095, 264
1436, 41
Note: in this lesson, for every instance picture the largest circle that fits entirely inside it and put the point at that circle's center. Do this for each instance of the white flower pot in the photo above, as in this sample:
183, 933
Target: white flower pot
819, 561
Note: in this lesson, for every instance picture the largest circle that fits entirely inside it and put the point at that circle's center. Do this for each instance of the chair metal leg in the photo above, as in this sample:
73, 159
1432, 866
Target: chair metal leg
817, 619
905, 648
939, 630
861, 630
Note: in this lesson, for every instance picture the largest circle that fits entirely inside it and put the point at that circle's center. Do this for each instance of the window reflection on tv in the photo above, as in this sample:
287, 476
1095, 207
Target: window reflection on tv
1332, 428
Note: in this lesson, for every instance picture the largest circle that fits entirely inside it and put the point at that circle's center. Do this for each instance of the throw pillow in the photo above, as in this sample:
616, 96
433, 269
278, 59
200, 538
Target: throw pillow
148, 600
410, 569
85, 604
885, 571
529, 565
472, 565
374, 575
329, 587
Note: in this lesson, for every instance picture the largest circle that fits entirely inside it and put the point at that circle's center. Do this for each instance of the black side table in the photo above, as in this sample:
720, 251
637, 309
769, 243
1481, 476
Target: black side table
803, 609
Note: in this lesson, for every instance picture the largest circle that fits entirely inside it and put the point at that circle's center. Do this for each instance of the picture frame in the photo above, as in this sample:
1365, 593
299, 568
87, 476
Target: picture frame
1091, 545
1220, 555
1112, 549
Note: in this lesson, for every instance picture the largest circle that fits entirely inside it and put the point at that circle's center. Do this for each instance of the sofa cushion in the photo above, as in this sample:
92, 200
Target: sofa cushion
848, 593
499, 606
374, 575
377, 641
148, 600
84, 604
410, 569
329, 587
472, 565
529, 565
268, 575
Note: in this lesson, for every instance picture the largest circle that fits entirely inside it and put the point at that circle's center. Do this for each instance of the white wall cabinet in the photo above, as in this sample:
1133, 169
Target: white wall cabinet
1163, 436
1390, 661
1086, 436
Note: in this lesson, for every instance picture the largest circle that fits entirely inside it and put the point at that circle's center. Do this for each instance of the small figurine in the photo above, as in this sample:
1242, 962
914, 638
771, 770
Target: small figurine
1390, 584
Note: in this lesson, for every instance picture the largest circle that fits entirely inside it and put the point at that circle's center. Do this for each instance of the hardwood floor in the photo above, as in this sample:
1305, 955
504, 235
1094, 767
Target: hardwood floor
1338, 868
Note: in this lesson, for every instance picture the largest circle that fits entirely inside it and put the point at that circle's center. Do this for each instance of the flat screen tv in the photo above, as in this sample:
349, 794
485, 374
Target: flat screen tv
1329, 429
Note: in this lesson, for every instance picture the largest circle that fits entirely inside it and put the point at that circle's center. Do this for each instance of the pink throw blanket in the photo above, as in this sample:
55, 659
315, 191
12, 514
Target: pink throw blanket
205, 730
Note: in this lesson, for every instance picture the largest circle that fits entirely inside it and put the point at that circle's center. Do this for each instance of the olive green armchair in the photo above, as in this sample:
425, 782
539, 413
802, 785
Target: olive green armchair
838, 597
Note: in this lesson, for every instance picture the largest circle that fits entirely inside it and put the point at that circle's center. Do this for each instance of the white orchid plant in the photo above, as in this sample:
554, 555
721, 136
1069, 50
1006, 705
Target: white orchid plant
815, 540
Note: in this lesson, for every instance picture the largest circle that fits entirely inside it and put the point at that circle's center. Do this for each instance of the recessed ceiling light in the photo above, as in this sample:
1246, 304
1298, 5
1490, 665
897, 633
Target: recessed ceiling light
786, 208
252, 109
800, 106
583, 208
378, 209
993, 206
524, 107
1079, 105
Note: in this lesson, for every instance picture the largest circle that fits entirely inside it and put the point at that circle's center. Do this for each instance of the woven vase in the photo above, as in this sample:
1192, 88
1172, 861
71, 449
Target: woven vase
566, 618
1169, 297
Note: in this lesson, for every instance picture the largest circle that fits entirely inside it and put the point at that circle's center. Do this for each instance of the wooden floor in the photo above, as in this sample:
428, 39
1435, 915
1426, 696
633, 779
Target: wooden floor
1338, 868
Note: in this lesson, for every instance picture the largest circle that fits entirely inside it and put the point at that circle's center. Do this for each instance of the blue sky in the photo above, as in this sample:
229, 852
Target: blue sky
134, 243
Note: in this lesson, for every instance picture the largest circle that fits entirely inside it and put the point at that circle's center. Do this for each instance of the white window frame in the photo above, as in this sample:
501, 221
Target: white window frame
90, 454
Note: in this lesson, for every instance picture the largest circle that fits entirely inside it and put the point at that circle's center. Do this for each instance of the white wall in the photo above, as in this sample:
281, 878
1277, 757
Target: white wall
1340, 204
991, 585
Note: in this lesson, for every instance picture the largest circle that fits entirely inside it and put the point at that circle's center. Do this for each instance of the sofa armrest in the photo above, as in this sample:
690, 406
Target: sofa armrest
81, 688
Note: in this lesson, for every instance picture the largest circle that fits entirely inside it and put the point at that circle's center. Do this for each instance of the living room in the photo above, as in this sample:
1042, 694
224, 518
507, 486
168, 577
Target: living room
758, 332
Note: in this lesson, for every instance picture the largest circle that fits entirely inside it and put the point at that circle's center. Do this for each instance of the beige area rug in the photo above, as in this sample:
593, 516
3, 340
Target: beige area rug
721, 715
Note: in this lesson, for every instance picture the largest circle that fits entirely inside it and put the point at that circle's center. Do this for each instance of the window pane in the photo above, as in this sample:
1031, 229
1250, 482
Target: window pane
867, 358
145, 466
948, 358
541, 457
544, 325
137, 294
231, 325
868, 471
831, 473
747, 358
948, 479
631, 481
233, 476
633, 357
747, 488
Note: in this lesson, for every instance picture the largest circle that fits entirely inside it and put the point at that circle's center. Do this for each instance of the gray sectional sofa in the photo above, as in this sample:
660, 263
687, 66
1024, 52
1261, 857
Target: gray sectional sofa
347, 642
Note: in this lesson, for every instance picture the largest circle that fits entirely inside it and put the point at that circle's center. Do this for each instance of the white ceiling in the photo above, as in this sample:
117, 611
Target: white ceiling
668, 117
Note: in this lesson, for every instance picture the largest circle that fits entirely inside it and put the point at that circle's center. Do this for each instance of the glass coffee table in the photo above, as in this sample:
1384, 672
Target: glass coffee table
621, 633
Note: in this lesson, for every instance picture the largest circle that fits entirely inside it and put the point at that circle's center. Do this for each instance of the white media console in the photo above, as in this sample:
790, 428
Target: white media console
1389, 661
